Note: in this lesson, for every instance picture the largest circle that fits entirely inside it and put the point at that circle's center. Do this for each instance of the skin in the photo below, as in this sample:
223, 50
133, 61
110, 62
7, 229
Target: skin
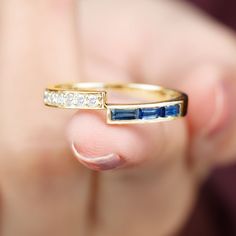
44, 188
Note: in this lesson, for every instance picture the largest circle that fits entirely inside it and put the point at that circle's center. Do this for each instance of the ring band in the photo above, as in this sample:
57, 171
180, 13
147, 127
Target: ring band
168, 104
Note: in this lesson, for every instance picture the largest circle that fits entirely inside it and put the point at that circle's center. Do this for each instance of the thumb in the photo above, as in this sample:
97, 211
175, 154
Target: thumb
101, 146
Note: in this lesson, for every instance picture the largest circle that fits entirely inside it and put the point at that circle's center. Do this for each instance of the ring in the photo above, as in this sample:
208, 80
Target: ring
166, 104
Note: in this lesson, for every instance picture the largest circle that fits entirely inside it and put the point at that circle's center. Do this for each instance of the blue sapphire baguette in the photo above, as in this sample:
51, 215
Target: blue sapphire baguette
145, 113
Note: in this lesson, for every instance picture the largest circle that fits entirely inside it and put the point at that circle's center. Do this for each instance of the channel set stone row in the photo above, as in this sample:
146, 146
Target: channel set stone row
82, 100
145, 113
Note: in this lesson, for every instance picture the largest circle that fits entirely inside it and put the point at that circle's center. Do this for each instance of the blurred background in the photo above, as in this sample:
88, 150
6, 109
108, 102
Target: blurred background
215, 212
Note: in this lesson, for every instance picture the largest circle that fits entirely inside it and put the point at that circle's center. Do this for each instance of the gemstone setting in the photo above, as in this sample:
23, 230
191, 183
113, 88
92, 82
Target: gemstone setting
150, 113
124, 114
92, 100
69, 97
81, 100
172, 110
162, 112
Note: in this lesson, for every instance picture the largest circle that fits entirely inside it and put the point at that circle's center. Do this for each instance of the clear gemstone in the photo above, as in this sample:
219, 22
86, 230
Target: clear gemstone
54, 98
69, 99
79, 100
92, 100
60, 99
49, 98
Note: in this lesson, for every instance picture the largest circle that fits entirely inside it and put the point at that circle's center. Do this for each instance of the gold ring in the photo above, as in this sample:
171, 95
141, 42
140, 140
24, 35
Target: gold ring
163, 104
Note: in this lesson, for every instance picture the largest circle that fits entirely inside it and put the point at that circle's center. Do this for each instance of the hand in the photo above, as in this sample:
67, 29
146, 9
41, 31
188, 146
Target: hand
45, 191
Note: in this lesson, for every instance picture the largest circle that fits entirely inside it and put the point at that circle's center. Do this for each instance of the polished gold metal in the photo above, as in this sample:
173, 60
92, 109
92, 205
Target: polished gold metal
93, 95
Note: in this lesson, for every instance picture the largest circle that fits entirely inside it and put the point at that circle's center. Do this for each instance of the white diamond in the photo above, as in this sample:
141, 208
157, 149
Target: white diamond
92, 100
54, 98
60, 99
79, 100
69, 99
46, 97
50, 97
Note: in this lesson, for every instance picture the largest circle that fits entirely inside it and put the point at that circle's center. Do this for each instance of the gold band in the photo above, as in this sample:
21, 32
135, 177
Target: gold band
166, 104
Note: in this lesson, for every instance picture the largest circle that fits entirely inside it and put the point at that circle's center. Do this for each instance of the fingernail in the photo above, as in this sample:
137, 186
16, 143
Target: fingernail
224, 110
99, 163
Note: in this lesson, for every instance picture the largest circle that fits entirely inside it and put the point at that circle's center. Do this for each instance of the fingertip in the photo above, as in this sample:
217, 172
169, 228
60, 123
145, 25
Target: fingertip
100, 146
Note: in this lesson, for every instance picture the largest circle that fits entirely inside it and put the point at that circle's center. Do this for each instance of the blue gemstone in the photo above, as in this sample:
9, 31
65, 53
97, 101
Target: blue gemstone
173, 110
162, 112
148, 113
124, 114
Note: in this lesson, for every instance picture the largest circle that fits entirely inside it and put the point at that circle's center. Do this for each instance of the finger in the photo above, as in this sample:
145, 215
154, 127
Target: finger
212, 114
38, 46
108, 147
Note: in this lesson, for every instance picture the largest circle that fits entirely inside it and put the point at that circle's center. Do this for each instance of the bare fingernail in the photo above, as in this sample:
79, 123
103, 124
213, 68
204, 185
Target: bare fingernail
99, 163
